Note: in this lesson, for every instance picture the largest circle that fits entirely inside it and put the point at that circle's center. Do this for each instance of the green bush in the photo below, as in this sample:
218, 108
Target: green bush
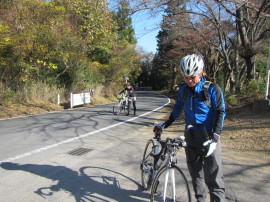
7, 96
255, 89
232, 99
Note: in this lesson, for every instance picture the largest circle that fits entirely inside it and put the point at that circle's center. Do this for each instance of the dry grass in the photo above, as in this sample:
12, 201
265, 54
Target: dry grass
13, 110
102, 100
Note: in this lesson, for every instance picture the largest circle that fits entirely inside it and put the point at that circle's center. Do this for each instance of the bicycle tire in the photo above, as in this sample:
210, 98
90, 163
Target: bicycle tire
128, 108
181, 189
114, 109
147, 165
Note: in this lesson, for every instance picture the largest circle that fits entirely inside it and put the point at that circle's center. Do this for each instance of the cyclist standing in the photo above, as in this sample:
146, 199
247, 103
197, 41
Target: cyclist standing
130, 92
203, 123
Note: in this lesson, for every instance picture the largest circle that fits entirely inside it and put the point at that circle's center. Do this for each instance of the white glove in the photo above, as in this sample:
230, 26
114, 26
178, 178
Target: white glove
212, 144
212, 148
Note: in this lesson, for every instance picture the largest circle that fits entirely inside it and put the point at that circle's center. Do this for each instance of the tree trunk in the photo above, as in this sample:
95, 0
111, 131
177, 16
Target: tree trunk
226, 81
249, 63
237, 66
232, 82
173, 76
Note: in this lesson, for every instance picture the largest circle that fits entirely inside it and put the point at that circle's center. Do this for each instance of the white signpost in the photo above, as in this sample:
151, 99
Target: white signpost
79, 99
267, 94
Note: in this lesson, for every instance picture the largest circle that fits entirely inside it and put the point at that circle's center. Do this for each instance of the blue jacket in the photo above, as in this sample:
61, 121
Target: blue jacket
195, 109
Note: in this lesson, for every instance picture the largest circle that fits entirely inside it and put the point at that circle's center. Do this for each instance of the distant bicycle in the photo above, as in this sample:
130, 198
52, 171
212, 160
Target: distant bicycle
123, 105
160, 172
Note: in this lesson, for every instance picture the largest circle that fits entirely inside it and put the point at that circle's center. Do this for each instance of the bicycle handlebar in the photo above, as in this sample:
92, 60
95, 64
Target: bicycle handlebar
178, 141
158, 129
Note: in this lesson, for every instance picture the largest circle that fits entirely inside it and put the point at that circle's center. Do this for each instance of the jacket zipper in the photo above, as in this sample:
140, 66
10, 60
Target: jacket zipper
191, 102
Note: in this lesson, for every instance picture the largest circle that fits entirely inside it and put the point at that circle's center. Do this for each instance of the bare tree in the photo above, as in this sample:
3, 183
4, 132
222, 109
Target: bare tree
252, 19
219, 28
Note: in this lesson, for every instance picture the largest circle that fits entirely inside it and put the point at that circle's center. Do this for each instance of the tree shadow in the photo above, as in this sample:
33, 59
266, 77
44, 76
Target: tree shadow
89, 184
242, 173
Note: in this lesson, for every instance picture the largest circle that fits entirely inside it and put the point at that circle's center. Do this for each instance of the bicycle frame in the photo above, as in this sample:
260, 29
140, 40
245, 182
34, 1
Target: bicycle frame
125, 100
168, 181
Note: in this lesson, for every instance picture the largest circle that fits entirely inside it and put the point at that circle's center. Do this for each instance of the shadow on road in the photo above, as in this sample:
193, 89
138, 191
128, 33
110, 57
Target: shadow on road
246, 182
84, 185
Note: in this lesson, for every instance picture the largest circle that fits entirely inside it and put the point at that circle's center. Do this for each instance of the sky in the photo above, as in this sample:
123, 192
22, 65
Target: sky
146, 29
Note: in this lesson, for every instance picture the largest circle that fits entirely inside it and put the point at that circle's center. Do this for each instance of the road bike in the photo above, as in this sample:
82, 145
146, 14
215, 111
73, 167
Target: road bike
160, 173
123, 105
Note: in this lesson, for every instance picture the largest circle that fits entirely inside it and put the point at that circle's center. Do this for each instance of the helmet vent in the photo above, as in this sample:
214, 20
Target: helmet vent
191, 65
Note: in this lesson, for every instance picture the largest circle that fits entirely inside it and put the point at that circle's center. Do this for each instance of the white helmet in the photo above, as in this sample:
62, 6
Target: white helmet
191, 65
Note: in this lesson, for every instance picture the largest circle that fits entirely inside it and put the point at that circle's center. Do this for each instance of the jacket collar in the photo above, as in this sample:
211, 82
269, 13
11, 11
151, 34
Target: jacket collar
197, 89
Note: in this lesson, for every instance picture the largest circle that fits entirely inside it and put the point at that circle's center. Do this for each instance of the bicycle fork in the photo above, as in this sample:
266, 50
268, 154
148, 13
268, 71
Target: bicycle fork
169, 172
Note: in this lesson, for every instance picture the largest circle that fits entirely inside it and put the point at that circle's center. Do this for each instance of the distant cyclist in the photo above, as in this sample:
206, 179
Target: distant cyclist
130, 92
204, 123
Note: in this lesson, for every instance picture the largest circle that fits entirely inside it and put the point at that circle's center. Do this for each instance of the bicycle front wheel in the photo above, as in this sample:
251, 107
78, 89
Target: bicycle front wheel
147, 165
170, 184
117, 108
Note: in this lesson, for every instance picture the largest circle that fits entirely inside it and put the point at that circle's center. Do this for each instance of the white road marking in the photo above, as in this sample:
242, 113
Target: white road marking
78, 137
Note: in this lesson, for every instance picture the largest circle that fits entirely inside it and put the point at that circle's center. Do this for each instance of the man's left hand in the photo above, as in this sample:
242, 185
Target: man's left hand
216, 137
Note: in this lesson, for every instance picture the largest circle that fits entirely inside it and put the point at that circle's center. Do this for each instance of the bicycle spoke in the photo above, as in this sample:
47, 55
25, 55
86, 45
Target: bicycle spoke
170, 185
173, 182
165, 185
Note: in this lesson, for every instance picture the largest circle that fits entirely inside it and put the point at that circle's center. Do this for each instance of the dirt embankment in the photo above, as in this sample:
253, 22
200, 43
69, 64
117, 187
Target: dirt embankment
247, 129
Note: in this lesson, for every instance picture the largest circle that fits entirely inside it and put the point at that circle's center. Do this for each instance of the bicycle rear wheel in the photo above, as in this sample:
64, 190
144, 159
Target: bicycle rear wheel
170, 184
128, 108
147, 165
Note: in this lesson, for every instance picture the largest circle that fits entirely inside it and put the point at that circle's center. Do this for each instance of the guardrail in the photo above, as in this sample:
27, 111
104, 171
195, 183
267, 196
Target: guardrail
79, 99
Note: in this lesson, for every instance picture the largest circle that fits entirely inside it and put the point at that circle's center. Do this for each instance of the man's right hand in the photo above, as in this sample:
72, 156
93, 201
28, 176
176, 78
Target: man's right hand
158, 128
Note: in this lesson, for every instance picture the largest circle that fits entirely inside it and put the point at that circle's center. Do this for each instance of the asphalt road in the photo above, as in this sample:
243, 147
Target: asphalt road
89, 154
85, 154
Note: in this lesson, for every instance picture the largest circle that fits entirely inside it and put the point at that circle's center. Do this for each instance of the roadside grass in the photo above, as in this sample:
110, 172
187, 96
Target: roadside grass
13, 110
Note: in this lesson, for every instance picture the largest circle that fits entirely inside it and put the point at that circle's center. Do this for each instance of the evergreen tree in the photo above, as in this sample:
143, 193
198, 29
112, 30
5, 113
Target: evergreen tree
124, 21
165, 63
